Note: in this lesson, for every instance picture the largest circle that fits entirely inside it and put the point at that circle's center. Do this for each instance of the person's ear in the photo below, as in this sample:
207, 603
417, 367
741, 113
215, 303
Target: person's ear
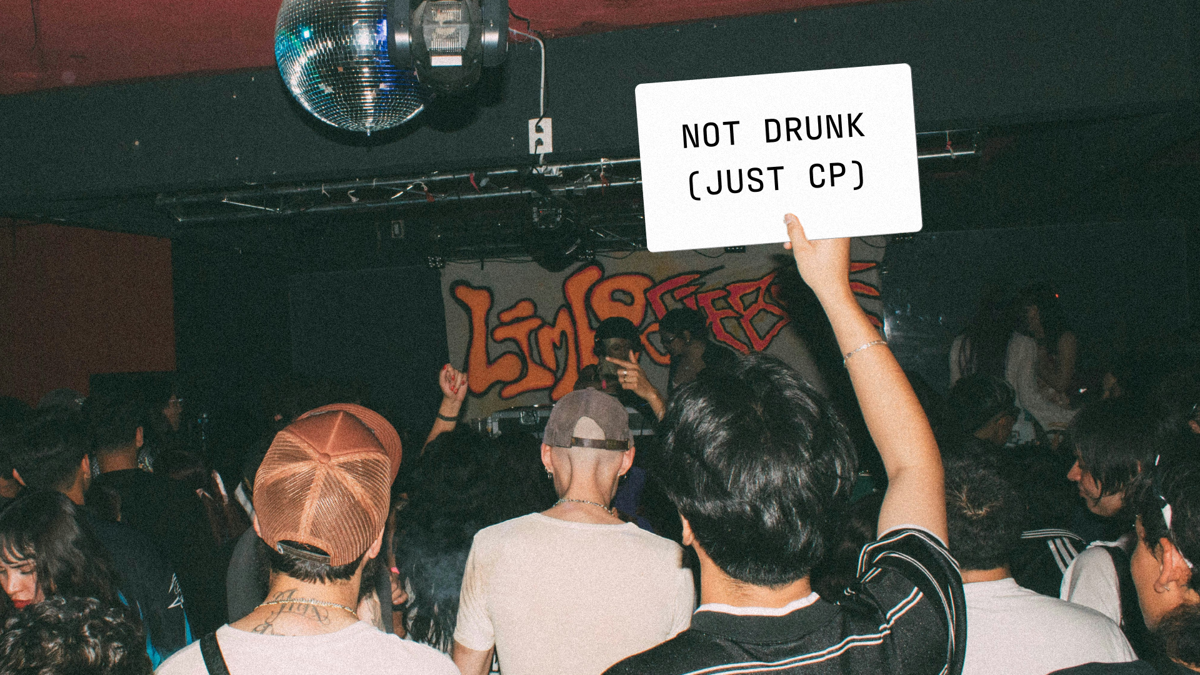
689, 538
139, 438
85, 466
547, 453
375, 547
257, 529
17, 477
1173, 566
1194, 426
627, 460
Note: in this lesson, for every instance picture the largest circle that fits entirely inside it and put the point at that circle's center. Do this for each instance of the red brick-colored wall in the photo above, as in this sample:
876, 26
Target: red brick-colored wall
75, 301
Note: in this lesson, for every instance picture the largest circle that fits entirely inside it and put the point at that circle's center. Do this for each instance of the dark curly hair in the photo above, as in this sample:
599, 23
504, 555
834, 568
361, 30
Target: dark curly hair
1178, 634
450, 499
46, 528
80, 636
465, 481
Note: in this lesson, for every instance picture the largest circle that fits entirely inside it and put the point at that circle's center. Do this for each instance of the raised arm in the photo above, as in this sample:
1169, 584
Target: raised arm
891, 410
454, 392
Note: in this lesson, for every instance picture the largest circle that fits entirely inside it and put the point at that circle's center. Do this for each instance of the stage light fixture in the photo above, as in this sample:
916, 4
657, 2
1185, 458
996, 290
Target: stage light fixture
448, 42
553, 233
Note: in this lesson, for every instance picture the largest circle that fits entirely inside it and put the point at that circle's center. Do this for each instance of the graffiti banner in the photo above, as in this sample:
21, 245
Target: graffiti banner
522, 333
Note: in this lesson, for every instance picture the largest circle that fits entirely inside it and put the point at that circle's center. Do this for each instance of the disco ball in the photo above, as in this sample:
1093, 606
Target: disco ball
333, 55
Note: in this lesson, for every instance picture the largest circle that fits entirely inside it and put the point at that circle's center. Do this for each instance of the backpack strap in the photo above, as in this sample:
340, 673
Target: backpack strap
1132, 623
214, 660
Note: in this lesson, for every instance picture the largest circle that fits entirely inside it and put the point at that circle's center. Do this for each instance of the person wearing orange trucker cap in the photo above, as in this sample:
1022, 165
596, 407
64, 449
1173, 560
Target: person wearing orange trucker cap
321, 499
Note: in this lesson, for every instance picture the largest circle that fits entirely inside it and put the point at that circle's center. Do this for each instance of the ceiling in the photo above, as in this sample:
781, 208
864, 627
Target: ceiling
76, 43
1102, 126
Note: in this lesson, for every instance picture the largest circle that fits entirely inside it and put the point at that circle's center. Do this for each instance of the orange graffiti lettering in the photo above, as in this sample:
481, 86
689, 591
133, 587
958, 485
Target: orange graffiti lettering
605, 305
575, 292
538, 362
550, 337
482, 373
536, 376
522, 310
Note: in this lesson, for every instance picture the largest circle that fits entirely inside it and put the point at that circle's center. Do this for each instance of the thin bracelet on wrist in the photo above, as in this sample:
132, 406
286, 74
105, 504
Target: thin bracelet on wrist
859, 348
447, 418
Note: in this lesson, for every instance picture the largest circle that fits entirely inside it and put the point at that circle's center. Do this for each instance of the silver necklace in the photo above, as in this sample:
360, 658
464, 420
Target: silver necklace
611, 511
307, 601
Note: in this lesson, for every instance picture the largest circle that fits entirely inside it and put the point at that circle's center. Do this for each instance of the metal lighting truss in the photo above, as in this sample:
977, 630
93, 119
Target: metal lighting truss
495, 211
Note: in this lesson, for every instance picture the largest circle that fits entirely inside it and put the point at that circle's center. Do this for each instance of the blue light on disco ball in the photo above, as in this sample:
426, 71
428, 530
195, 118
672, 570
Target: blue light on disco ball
333, 56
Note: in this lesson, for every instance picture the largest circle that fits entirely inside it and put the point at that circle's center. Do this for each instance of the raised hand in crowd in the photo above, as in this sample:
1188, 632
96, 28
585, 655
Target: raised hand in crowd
633, 378
759, 521
890, 408
453, 384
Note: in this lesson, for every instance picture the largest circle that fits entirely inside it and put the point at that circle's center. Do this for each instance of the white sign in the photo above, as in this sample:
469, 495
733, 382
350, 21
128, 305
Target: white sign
724, 159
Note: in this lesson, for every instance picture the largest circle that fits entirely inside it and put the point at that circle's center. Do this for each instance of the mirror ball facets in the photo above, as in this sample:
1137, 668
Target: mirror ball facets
333, 56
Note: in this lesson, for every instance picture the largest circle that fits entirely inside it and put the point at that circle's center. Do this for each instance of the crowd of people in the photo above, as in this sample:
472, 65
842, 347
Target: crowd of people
1016, 528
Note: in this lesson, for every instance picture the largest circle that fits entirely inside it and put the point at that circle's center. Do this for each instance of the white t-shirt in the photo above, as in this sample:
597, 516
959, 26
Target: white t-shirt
1021, 372
562, 598
359, 649
1016, 631
1091, 580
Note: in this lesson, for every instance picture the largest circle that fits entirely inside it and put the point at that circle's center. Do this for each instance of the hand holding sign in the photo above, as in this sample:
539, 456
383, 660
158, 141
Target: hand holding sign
824, 265
722, 158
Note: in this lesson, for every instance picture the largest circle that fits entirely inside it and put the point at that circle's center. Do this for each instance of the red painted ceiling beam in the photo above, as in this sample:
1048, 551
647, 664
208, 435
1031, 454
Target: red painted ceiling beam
71, 43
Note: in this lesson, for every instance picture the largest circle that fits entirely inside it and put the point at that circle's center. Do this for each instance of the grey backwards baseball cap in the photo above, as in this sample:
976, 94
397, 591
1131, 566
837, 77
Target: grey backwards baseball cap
588, 418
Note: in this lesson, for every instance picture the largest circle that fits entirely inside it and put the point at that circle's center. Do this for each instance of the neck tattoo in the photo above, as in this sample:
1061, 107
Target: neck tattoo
611, 511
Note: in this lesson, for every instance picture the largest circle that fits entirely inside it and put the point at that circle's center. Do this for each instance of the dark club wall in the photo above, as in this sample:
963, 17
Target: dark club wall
75, 302
250, 318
